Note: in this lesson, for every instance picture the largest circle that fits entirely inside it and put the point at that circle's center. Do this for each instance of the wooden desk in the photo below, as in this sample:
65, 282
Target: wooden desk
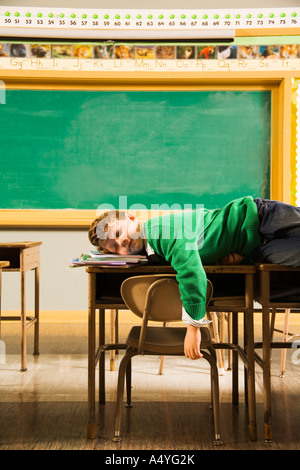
273, 290
104, 293
23, 257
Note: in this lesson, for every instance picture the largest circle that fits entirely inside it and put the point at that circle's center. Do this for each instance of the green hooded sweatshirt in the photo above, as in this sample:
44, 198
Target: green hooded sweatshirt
190, 239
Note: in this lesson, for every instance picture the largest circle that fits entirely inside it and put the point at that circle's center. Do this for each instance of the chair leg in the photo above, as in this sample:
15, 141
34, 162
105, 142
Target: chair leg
229, 333
128, 384
101, 360
272, 326
211, 358
162, 358
222, 335
120, 391
285, 338
216, 338
213, 354
161, 365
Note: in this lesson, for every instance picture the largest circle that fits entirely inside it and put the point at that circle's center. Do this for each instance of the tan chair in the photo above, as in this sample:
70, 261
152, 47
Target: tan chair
157, 298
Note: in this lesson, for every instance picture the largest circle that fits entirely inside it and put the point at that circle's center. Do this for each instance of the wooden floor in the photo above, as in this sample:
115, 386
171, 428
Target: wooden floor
45, 408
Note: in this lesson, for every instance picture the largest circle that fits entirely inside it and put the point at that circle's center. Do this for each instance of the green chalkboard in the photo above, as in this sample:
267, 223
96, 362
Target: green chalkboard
81, 149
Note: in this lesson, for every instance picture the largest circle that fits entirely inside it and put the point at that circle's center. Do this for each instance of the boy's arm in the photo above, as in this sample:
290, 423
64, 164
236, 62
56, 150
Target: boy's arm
191, 277
184, 257
192, 285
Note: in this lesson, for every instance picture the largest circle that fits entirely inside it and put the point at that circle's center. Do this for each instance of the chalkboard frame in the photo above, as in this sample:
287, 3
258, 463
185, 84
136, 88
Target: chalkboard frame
280, 85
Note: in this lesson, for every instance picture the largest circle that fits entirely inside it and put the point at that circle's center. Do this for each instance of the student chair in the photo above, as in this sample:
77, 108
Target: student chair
156, 298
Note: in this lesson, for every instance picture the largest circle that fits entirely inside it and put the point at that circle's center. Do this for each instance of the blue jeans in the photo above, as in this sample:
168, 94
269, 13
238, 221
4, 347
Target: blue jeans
280, 233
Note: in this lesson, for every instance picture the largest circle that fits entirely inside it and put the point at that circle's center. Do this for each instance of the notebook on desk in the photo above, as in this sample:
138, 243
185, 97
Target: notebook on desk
94, 258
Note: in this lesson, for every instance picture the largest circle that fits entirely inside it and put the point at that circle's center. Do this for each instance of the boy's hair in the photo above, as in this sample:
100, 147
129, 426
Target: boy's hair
99, 227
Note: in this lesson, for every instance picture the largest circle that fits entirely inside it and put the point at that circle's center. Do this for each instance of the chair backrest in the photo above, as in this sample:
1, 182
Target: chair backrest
155, 297
136, 295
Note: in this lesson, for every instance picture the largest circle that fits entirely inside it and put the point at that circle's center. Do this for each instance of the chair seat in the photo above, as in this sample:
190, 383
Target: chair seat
165, 341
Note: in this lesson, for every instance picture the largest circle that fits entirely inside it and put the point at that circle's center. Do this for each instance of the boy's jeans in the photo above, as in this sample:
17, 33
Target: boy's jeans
280, 233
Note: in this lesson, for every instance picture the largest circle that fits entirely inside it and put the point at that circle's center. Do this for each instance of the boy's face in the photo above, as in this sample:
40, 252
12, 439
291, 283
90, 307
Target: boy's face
124, 238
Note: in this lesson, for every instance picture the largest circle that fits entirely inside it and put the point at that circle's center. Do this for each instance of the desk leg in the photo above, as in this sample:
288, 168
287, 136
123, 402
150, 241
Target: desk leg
36, 350
102, 357
0, 298
265, 288
235, 361
23, 323
245, 349
91, 426
249, 333
113, 338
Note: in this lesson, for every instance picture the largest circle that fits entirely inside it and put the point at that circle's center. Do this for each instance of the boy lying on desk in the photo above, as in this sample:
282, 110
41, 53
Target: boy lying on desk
246, 230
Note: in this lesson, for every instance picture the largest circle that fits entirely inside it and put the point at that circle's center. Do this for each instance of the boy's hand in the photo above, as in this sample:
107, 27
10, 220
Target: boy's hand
192, 342
232, 258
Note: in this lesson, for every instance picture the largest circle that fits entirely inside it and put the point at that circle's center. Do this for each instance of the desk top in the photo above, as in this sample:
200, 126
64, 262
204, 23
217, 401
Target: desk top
216, 268
4, 264
166, 269
20, 244
274, 267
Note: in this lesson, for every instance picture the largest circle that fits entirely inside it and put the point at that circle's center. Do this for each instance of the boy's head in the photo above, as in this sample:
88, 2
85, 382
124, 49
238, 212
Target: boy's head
116, 232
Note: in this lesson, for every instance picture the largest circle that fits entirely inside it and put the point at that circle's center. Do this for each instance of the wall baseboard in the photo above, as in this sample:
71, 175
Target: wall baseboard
125, 317
71, 316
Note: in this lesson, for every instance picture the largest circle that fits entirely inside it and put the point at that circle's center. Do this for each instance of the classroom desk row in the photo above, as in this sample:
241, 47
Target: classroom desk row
235, 289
